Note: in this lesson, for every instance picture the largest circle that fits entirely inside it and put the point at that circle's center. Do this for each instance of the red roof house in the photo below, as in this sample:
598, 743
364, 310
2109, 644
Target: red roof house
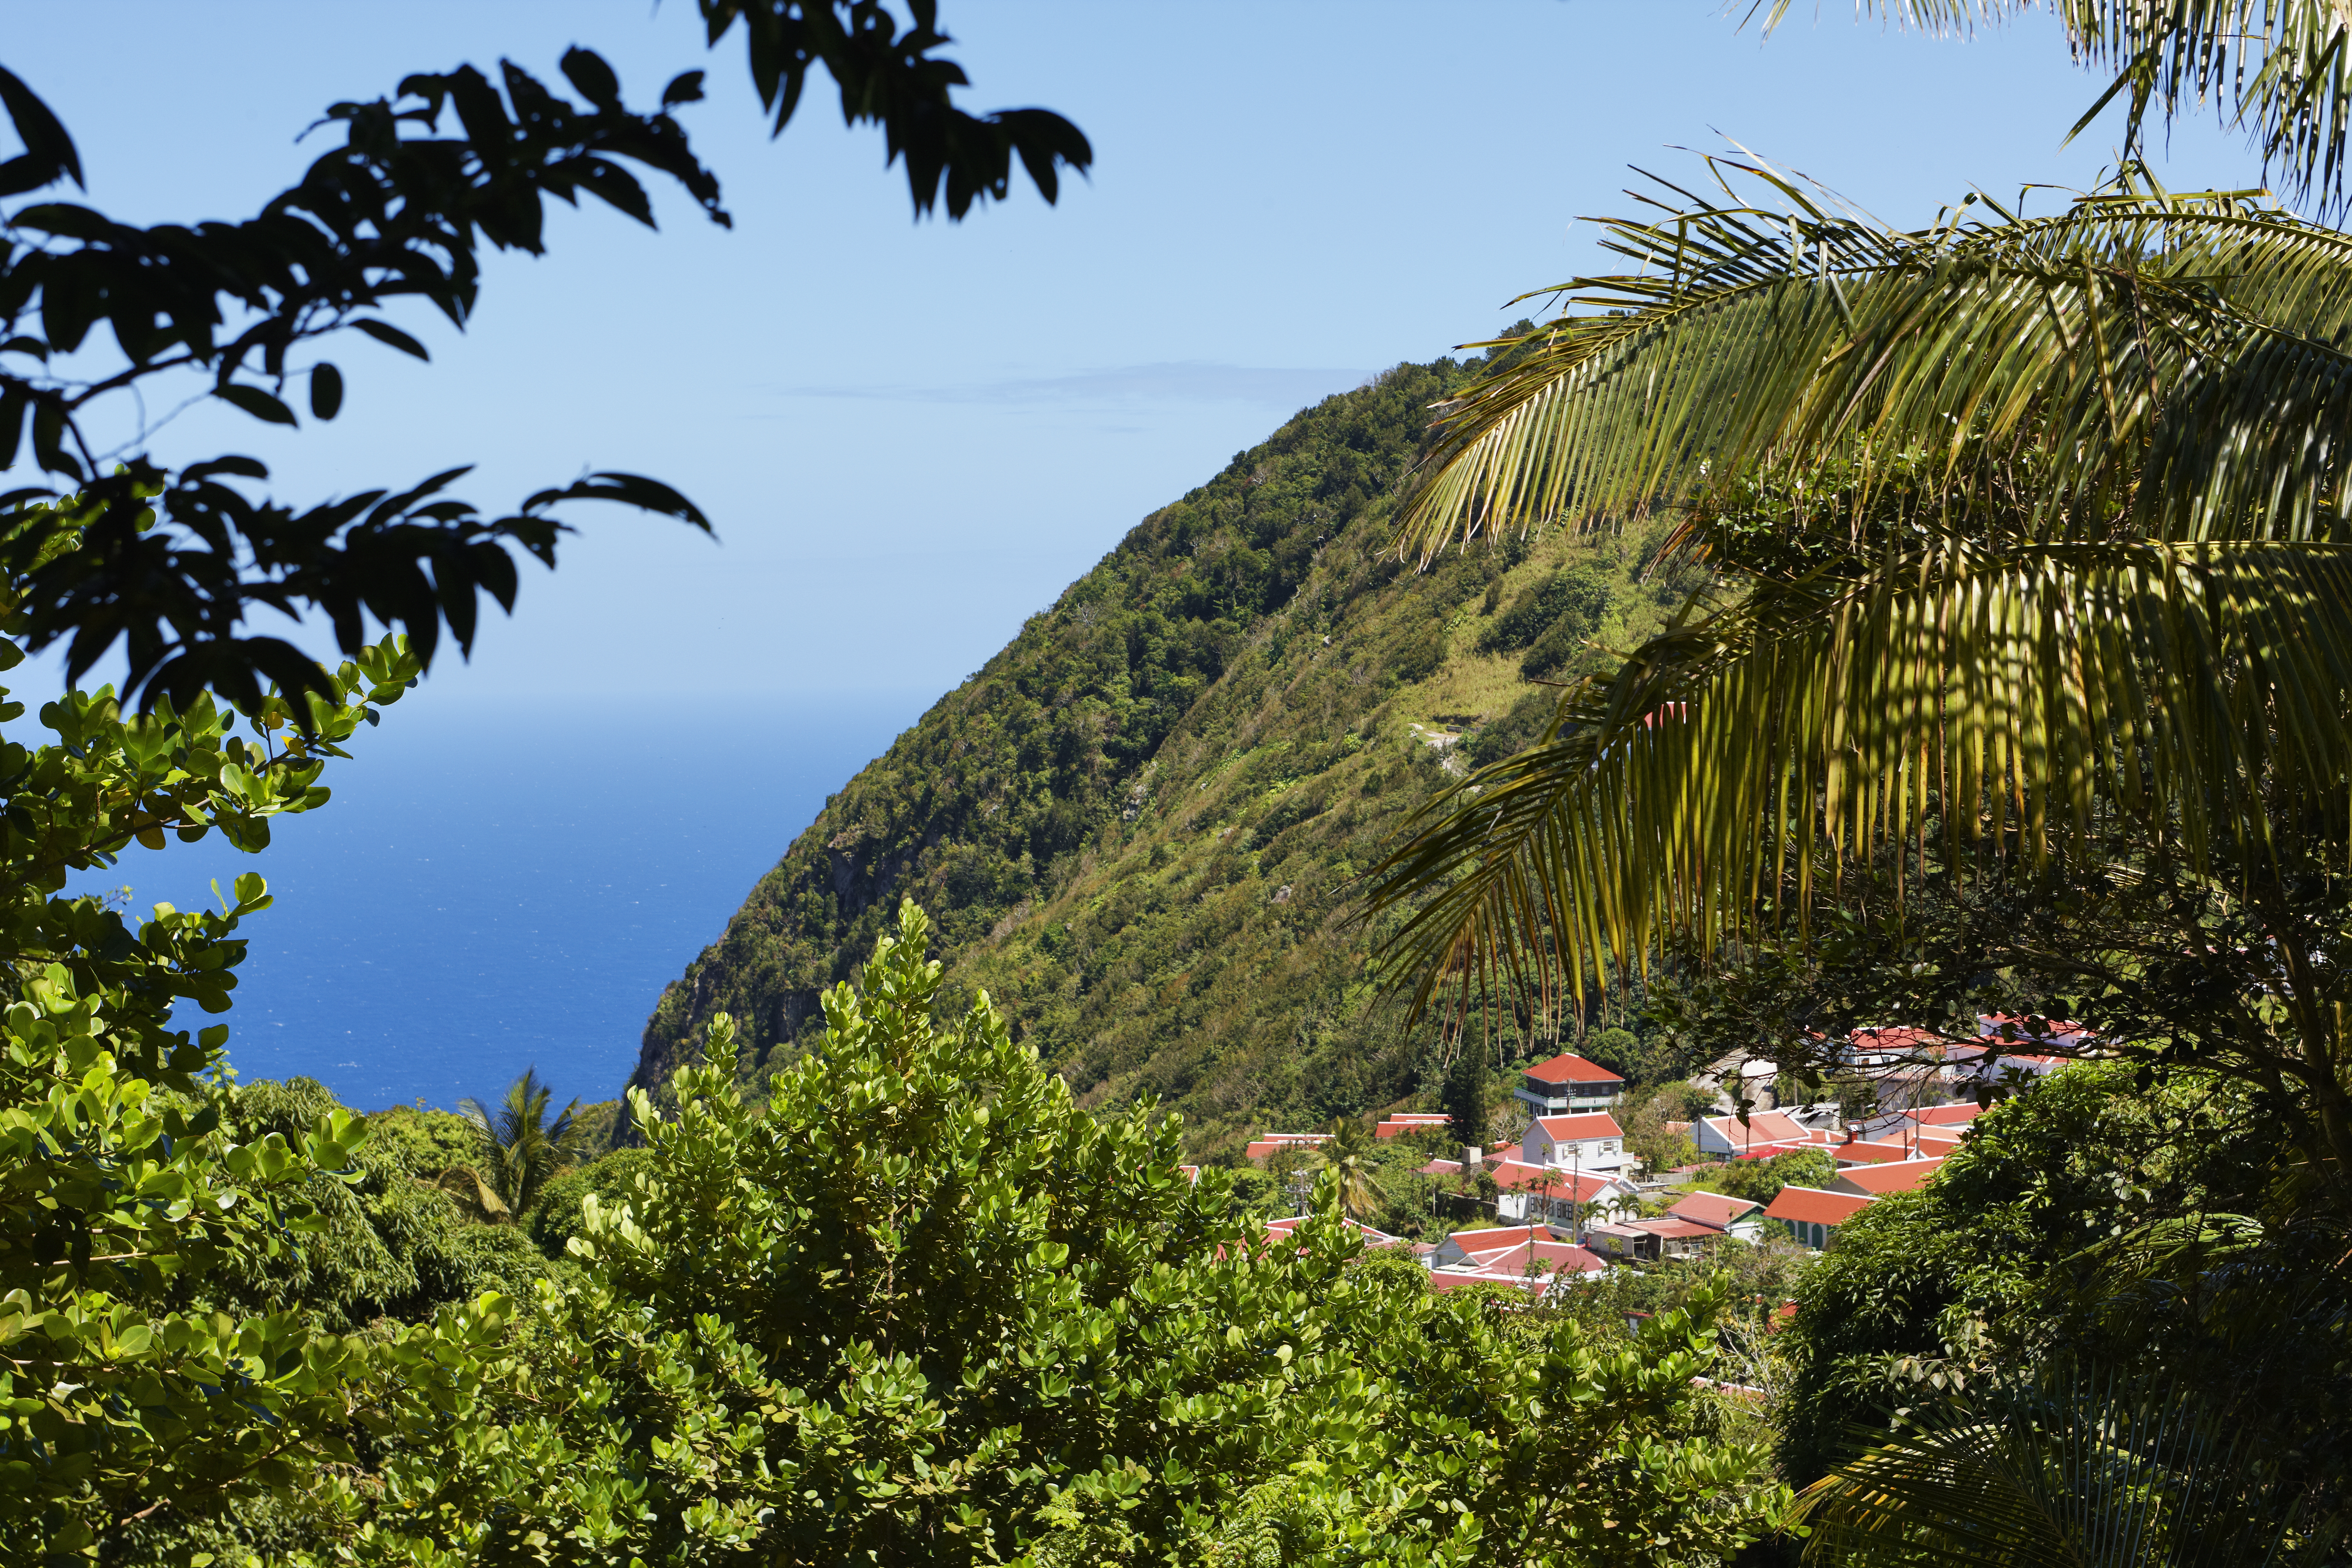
1812, 1214
1567, 1082
1869, 1152
1725, 1135
1716, 1209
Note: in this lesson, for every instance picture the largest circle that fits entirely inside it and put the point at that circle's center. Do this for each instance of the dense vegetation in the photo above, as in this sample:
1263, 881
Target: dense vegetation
1139, 823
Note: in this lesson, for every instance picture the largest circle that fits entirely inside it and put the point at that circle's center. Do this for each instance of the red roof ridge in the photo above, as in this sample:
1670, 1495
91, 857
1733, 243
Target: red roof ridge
1570, 1068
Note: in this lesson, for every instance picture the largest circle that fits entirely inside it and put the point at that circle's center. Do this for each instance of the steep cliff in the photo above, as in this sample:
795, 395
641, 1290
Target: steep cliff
1138, 825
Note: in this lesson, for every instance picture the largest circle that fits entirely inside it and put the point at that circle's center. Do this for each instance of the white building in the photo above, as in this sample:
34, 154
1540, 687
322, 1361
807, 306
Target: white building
1591, 1142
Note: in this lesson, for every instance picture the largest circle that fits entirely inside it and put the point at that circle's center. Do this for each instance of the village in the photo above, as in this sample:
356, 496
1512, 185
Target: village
1571, 1200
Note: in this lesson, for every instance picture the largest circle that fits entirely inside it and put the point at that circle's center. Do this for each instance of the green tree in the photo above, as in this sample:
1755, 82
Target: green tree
1761, 1181
517, 1150
923, 1308
1348, 1158
142, 1206
1464, 1097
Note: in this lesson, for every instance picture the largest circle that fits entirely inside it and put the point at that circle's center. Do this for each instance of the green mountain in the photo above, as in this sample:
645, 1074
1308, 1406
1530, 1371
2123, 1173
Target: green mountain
1138, 826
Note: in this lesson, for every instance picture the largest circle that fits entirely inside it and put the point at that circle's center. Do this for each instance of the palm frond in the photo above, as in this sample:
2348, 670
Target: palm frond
520, 1148
2089, 1472
472, 1189
2003, 688
2186, 352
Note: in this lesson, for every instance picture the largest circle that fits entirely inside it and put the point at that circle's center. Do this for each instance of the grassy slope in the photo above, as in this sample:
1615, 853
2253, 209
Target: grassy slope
1138, 824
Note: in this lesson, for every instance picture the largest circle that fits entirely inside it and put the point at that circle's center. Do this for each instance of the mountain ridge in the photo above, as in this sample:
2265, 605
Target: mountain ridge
1136, 824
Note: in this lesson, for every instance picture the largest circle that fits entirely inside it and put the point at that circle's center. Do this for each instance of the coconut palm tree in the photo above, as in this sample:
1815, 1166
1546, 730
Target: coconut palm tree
2081, 554
1349, 1154
520, 1149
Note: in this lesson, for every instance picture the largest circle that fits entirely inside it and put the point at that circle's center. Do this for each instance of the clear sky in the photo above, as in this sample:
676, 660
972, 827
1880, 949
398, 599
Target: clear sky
912, 435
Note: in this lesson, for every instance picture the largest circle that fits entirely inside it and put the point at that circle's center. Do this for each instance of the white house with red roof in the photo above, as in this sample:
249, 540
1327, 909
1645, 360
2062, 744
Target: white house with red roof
1525, 1192
1590, 1142
1764, 1133
1526, 1258
1569, 1083
1742, 1217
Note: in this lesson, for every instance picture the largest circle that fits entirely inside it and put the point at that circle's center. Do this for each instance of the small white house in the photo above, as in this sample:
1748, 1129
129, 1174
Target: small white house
1725, 1137
1592, 1141
1532, 1193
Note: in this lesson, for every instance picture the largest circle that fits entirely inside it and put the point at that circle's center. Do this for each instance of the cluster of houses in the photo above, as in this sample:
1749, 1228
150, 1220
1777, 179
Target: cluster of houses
1571, 1173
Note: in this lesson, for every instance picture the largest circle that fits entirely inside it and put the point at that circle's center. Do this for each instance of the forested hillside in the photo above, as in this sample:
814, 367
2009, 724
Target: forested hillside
1138, 824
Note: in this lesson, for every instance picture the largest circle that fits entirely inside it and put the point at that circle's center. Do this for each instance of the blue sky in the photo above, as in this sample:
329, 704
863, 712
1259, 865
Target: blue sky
912, 435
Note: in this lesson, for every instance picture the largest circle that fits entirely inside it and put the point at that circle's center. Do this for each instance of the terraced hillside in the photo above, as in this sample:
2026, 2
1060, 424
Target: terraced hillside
1138, 825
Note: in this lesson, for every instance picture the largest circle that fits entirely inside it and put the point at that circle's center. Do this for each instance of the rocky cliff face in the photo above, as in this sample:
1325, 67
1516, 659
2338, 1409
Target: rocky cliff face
1137, 827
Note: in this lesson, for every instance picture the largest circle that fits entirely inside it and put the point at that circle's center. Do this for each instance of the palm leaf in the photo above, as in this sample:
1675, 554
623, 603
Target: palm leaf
2006, 689
2085, 1474
2182, 350
520, 1148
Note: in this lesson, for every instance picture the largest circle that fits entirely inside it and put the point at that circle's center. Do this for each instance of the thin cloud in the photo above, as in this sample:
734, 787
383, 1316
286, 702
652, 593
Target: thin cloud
1185, 382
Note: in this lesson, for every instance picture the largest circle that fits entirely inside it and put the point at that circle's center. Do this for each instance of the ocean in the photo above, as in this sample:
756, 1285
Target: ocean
498, 886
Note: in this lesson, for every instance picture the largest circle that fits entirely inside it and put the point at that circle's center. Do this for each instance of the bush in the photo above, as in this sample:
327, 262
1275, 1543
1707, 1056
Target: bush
1761, 1180
556, 1219
1571, 602
927, 1309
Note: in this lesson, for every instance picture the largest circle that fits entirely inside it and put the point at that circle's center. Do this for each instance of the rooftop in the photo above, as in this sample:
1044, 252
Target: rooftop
1869, 1152
1674, 1225
1574, 1128
1814, 1206
1762, 1127
1901, 1176
1714, 1208
1570, 1068
1551, 1181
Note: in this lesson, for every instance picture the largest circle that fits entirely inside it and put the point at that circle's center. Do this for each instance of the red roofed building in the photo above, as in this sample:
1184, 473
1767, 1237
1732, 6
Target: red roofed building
1569, 1083
1869, 1152
1877, 1181
1725, 1136
1525, 1192
1371, 1238
1591, 1142
1526, 1257
1736, 1215
1260, 1148
1812, 1214
1883, 1047
1464, 1244
1405, 1122
1959, 1115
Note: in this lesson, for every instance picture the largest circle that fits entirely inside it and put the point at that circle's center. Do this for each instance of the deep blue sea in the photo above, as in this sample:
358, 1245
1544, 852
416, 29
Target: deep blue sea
499, 887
